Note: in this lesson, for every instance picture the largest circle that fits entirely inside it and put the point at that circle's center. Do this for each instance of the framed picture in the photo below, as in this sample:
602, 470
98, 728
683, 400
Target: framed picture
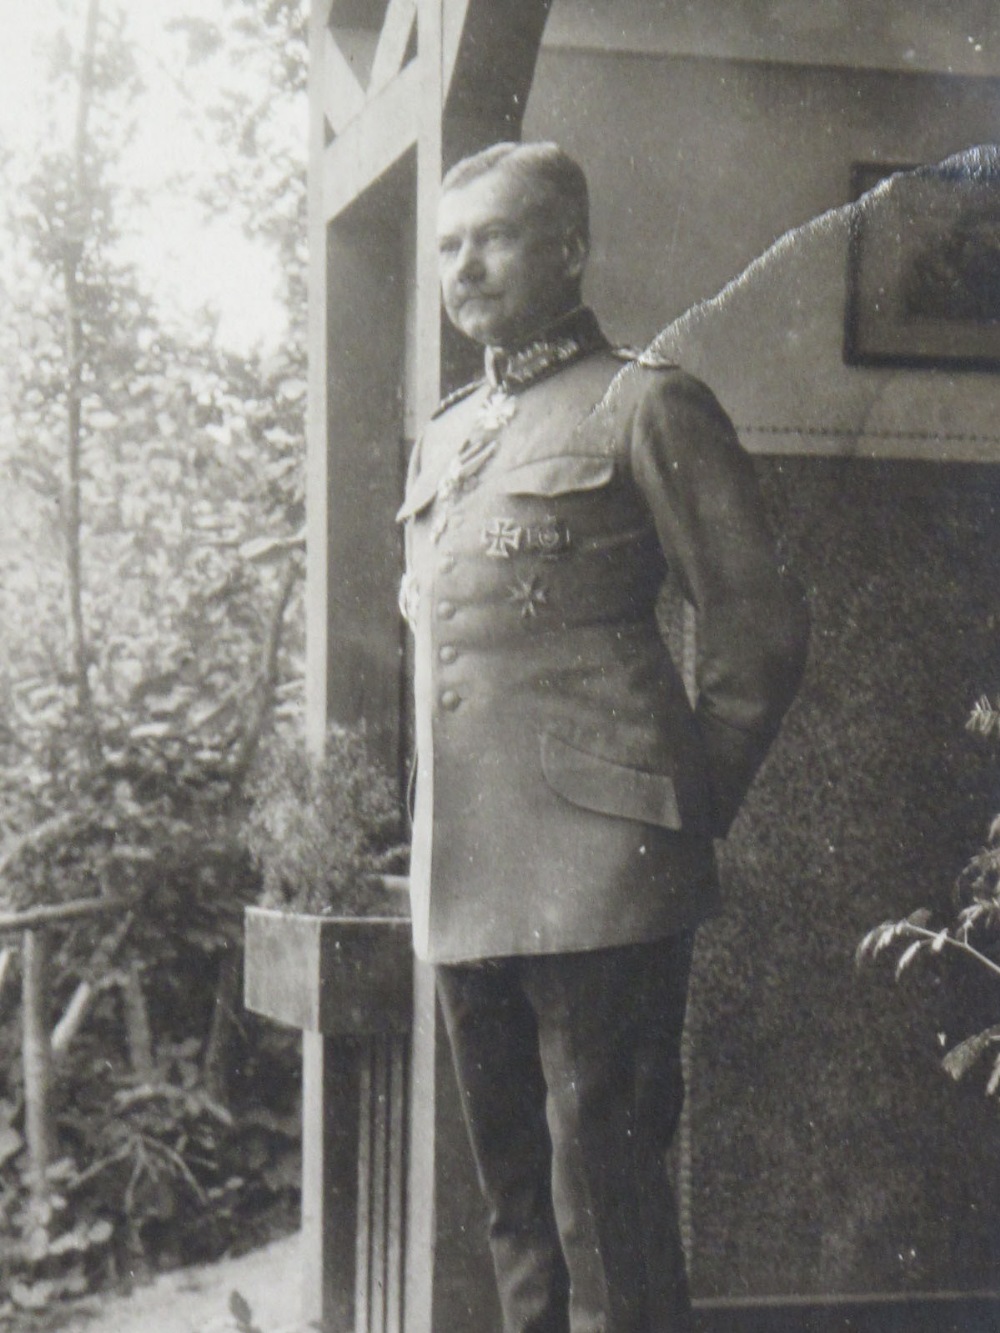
923, 281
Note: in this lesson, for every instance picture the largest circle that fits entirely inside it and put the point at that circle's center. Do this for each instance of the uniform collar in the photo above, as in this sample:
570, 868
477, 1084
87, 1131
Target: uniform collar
575, 335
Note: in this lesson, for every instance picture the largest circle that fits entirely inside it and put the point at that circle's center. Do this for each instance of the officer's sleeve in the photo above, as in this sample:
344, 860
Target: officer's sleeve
751, 618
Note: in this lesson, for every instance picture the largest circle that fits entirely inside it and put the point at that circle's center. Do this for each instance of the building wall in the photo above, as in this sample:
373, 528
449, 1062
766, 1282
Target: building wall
828, 1155
961, 37
698, 165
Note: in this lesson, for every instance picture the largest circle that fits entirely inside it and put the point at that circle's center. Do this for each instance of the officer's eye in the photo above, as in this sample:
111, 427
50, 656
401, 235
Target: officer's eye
448, 245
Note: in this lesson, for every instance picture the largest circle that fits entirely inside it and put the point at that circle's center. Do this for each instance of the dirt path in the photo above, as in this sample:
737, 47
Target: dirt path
196, 1300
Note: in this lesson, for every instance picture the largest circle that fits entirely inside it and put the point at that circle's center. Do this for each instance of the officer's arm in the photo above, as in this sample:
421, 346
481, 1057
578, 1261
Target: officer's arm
751, 619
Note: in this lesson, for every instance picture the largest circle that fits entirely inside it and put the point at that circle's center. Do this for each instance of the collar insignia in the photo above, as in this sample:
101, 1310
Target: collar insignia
574, 336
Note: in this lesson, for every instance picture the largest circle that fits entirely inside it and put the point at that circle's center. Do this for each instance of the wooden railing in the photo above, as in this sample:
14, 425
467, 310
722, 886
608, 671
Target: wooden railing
40, 1046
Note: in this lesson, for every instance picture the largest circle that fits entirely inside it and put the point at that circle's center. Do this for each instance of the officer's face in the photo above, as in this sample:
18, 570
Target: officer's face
507, 268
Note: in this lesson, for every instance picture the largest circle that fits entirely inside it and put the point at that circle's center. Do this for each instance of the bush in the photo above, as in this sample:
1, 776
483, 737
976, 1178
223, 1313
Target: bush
322, 831
152, 1172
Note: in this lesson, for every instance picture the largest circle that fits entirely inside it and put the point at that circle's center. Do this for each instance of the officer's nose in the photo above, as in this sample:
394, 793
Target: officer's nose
469, 266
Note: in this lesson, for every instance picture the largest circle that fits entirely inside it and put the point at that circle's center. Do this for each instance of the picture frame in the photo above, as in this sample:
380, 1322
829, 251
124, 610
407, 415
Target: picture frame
923, 269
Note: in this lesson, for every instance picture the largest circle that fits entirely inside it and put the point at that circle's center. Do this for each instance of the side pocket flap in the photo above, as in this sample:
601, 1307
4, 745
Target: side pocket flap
559, 475
595, 783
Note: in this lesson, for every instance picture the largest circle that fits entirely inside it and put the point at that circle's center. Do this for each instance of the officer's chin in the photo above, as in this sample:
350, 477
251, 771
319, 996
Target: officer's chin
475, 328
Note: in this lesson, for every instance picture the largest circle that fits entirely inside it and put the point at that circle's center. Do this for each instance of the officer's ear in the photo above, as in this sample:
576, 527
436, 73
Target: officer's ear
575, 249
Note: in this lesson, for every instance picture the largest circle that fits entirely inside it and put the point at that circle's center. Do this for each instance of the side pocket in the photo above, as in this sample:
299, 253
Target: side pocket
610, 788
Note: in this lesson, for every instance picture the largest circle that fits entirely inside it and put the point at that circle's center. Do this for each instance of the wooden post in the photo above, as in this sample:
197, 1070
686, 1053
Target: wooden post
474, 86
354, 1129
37, 1055
346, 984
420, 1201
383, 121
6, 958
331, 1072
36, 1045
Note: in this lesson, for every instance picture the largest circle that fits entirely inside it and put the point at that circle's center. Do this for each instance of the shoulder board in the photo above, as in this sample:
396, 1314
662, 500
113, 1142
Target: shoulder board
644, 357
456, 396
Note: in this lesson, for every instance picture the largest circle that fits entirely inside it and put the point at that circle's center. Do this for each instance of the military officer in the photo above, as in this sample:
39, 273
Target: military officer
567, 793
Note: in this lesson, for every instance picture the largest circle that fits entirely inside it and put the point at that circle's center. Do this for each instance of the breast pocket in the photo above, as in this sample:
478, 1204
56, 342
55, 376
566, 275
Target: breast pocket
560, 474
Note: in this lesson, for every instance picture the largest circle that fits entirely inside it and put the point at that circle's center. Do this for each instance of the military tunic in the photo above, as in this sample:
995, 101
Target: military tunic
567, 794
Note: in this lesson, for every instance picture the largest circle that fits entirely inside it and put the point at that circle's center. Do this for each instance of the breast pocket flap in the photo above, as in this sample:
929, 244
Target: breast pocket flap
560, 474
594, 782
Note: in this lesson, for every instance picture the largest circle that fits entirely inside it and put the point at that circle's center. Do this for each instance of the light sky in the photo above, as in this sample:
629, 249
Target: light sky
188, 262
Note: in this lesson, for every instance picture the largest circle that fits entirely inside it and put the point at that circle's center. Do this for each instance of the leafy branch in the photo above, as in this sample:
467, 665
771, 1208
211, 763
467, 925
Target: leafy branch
984, 719
916, 929
979, 884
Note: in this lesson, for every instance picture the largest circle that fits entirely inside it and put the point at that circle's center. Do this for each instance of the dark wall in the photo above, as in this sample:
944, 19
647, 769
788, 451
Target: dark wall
829, 1152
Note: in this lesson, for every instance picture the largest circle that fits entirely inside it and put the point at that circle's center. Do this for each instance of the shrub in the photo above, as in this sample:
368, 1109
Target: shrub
322, 830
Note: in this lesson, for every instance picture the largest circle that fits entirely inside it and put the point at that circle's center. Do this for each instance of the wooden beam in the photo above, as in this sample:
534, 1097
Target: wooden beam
392, 43
452, 26
426, 340
420, 1225
371, 143
53, 913
317, 461
365, 337
343, 95
490, 51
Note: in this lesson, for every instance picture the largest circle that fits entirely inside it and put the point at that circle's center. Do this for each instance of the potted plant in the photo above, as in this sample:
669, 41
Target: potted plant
328, 948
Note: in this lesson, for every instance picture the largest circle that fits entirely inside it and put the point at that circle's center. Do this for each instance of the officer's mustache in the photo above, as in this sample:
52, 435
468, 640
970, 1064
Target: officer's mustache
465, 293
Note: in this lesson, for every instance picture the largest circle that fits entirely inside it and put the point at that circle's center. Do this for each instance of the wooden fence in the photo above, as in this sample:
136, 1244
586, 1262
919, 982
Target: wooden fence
40, 1046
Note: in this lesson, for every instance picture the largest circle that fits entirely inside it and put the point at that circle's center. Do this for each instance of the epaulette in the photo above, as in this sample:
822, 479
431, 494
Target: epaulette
644, 357
456, 396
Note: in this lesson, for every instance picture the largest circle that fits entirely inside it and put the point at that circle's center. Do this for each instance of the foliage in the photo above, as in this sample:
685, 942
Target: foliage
154, 1172
187, 455
973, 933
150, 635
985, 717
321, 830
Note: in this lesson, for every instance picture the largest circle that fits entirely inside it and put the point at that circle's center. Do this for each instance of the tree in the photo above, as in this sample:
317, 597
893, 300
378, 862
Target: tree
149, 627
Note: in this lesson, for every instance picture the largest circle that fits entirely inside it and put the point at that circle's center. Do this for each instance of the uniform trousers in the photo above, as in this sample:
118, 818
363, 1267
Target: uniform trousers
569, 1073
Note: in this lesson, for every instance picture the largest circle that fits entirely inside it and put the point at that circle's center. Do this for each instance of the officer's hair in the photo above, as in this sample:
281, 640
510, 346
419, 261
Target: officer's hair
545, 168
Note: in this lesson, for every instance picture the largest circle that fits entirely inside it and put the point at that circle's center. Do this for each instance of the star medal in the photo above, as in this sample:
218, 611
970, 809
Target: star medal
528, 595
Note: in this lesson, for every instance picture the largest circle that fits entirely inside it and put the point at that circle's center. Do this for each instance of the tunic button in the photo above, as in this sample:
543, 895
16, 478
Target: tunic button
446, 564
445, 610
447, 653
450, 699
